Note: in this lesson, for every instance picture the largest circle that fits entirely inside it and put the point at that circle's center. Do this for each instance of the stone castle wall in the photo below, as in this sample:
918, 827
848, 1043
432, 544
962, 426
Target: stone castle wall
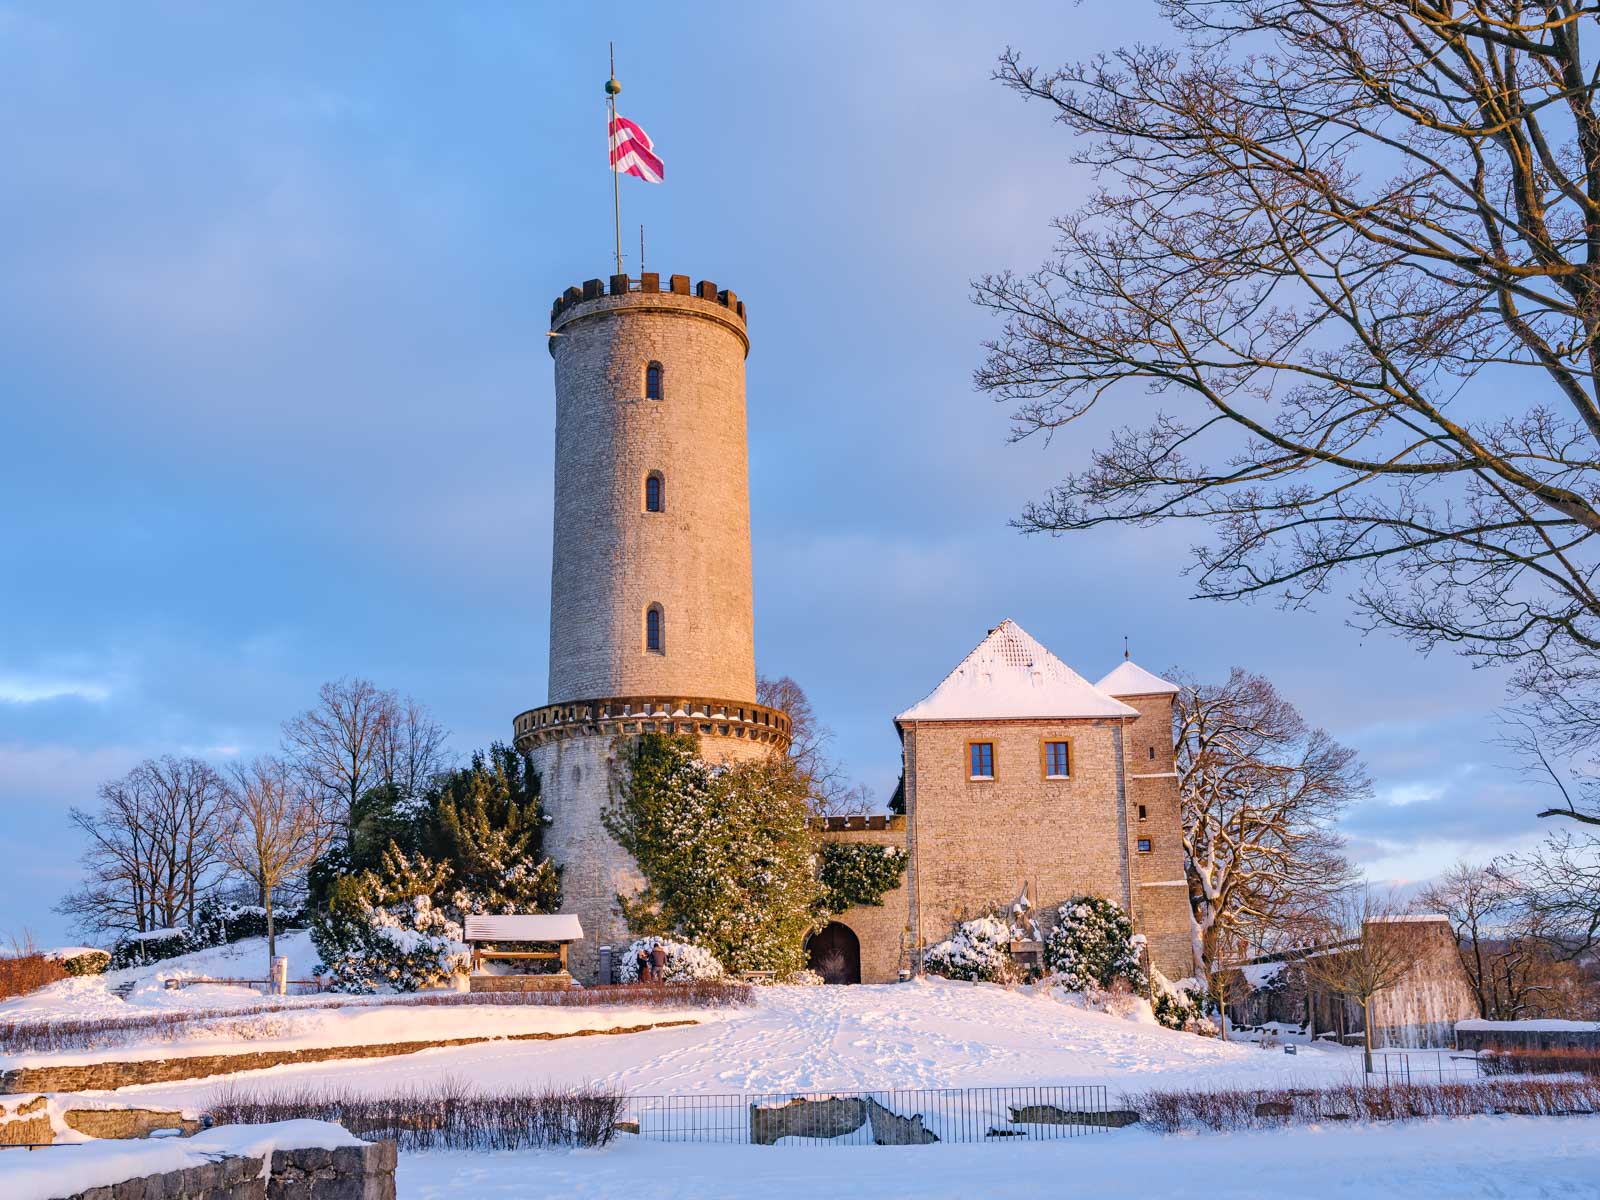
880, 928
612, 558
975, 843
1160, 891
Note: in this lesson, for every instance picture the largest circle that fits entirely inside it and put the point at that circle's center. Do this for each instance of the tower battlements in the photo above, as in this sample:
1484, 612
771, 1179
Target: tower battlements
598, 296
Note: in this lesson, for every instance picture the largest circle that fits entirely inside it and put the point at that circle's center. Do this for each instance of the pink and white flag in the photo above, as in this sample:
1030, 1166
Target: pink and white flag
631, 152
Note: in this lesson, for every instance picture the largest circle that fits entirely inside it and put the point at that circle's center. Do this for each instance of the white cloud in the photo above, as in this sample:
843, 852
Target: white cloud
1411, 793
35, 689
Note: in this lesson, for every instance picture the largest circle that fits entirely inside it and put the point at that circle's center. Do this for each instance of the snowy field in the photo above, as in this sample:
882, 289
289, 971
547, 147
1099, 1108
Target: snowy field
1490, 1157
930, 1033
925, 1034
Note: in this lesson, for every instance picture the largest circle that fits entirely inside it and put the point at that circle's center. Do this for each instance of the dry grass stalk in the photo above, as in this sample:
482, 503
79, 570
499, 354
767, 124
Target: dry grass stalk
449, 1116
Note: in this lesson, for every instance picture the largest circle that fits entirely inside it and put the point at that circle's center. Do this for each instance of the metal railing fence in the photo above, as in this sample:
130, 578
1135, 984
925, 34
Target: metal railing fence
893, 1117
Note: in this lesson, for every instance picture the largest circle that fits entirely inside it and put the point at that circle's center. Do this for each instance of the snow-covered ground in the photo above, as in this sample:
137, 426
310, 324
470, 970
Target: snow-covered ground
93, 996
930, 1033
1489, 1157
923, 1034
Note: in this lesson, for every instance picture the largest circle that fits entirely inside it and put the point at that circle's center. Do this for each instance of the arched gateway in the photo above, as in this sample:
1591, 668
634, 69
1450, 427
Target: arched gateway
835, 954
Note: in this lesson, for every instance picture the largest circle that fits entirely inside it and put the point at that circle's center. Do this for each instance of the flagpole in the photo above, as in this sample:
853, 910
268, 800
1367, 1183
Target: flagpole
612, 88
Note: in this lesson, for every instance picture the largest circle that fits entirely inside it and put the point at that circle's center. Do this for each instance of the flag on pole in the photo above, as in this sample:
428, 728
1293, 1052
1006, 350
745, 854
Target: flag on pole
632, 153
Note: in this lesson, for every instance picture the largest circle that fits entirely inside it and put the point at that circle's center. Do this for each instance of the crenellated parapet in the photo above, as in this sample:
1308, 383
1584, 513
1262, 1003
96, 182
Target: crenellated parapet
630, 715
858, 823
598, 296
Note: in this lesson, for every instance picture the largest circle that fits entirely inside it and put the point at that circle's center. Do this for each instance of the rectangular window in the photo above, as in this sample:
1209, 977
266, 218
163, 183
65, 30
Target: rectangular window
1056, 760
1144, 845
1142, 813
981, 759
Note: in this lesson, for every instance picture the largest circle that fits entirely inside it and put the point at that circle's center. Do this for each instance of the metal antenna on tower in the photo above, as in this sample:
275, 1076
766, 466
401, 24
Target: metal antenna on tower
1125, 647
612, 88
641, 249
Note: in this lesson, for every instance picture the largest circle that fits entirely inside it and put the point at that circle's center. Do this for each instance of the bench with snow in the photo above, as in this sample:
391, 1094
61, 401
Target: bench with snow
484, 933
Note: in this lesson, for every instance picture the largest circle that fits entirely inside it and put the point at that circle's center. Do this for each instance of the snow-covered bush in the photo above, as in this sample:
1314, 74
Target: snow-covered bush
1180, 1005
804, 977
83, 961
685, 963
381, 929
1092, 945
724, 850
980, 949
142, 949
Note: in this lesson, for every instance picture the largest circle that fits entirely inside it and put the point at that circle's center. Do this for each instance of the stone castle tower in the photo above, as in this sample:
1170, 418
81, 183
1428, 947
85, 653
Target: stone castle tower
651, 618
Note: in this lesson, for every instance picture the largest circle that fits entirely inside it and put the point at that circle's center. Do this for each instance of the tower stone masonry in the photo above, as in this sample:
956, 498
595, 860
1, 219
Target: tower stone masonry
651, 616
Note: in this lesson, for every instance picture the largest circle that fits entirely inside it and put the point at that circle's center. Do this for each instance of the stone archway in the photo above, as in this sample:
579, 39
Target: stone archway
834, 952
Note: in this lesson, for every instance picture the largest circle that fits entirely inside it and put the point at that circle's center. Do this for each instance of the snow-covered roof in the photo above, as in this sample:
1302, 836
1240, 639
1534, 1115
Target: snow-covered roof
1130, 679
558, 927
1009, 674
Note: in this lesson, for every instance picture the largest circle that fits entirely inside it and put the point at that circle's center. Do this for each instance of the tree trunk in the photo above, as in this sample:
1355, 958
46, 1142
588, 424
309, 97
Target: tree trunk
1366, 1031
272, 936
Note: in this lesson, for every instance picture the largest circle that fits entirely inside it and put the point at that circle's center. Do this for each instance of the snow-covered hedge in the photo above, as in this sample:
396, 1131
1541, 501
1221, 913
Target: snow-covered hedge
1180, 1005
979, 950
1093, 945
217, 923
142, 949
685, 963
82, 960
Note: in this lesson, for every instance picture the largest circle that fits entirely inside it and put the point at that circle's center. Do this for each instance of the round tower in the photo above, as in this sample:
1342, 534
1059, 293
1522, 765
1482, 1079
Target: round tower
651, 618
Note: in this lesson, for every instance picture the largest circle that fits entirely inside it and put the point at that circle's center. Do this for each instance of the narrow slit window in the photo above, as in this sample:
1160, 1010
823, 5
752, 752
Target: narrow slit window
981, 760
652, 493
1142, 814
1056, 760
1152, 751
653, 636
652, 381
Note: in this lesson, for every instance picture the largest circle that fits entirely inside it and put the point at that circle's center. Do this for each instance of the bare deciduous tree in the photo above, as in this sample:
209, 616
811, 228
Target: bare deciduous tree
1368, 947
1561, 886
1260, 791
831, 790
1351, 247
1497, 935
359, 737
411, 750
153, 847
275, 830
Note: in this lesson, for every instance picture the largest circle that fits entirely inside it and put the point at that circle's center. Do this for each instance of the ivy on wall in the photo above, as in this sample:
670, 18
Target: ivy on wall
853, 873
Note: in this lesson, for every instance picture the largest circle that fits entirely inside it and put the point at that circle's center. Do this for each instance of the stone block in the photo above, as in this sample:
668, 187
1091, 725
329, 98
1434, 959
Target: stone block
679, 285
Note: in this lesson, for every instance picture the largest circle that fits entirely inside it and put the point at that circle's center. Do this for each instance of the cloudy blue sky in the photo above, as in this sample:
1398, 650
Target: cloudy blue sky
275, 405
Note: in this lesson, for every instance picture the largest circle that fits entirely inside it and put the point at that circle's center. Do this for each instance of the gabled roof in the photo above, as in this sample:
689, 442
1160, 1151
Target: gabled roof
1130, 679
1011, 675
543, 927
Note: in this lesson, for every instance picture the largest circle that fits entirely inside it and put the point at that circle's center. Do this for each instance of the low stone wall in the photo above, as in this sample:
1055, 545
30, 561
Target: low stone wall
1481, 1035
109, 1076
559, 982
28, 1124
346, 1173
123, 1123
